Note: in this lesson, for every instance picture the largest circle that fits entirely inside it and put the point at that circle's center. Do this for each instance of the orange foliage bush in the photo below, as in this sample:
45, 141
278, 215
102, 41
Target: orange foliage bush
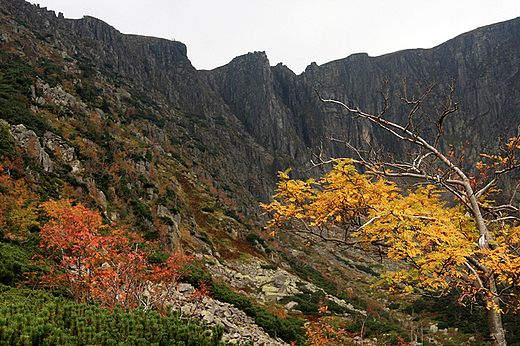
97, 263
322, 333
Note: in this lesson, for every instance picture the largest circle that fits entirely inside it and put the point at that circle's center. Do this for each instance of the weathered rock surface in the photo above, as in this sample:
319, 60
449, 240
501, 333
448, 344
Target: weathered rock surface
239, 328
31, 143
57, 96
60, 148
264, 282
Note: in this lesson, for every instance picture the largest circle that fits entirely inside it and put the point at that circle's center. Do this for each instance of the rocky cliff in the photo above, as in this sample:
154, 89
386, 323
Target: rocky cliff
262, 118
484, 64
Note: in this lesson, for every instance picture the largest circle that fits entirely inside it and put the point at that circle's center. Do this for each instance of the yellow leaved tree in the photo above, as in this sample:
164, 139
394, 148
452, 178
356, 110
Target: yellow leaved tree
472, 245
18, 207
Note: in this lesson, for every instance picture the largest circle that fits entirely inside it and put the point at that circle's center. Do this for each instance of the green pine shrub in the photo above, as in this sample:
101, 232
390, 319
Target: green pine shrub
58, 322
13, 264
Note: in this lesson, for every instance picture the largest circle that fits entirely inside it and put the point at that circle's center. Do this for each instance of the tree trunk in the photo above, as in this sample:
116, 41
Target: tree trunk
496, 329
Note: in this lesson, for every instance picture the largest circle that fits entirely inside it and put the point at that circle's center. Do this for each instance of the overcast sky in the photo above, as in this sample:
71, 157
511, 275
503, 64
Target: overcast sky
294, 32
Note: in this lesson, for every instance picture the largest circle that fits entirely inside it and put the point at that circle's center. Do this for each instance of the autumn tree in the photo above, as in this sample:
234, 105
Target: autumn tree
397, 207
18, 207
96, 263
322, 333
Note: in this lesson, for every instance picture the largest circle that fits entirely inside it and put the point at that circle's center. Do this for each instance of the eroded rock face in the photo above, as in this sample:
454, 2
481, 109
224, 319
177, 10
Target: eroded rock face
282, 112
35, 147
31, 143
58, 96
174, 221
62, 149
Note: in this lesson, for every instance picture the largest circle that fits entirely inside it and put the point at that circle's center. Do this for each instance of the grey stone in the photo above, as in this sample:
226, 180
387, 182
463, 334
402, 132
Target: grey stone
31, 143
59, 146
291, 305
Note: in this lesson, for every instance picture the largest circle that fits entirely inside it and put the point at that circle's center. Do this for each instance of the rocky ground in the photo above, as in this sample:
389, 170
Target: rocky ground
261, 281
239, 328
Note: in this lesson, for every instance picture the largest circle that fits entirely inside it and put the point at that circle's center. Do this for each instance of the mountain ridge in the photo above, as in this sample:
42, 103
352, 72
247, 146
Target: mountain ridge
344, 77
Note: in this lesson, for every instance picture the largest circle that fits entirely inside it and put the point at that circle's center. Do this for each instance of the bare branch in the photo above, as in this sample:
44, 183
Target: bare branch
404, 133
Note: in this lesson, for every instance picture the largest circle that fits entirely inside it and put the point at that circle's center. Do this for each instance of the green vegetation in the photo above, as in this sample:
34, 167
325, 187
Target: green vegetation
233, 214
268, 266
288, 329
144, 107
60, 322
373, 326
196, 118
309, 303
16, 77
311, 274
87, 69
51, 72
448, 312
361, 267
219, 120
254, 239
7, 145
13, 264
205, 238
140, 209
89, 93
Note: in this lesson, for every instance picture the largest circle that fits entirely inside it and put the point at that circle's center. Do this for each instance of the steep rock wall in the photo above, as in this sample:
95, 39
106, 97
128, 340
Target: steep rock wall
261, 118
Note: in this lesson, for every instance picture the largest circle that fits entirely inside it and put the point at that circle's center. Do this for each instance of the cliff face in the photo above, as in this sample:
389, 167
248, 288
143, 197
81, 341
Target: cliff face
484, 63
256, 119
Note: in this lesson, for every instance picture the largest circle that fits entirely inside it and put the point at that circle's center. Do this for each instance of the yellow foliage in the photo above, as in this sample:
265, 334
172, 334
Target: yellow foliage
415, 226
18, 208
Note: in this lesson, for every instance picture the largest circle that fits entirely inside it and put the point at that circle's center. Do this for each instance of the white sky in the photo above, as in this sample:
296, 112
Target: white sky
294, 32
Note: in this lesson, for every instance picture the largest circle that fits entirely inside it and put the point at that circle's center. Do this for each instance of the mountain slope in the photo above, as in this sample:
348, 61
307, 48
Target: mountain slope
279, 113
126, 125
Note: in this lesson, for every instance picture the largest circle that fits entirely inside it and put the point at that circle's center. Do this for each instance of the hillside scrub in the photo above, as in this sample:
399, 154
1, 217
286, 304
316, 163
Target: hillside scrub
96, 263
288, 329
61, 322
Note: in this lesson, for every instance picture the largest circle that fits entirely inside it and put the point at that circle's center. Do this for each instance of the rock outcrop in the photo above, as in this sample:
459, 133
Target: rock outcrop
63, 150
238, 327
28, 140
